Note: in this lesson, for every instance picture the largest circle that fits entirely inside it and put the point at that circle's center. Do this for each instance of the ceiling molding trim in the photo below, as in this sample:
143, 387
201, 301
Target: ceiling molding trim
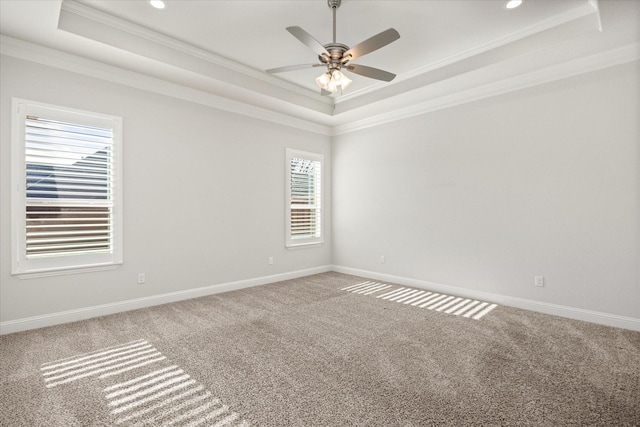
539, 27
95, 16
596, 6
610, 58
27, 51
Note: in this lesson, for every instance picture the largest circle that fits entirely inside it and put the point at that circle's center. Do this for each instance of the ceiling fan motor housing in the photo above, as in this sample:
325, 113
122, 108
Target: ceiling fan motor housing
336, 52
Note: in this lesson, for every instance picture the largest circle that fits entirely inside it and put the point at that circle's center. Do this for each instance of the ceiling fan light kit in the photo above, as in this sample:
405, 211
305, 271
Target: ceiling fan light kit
336, 56
331, 80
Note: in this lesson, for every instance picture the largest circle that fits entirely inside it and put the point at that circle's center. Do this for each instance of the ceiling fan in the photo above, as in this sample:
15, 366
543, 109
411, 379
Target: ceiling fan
336, 56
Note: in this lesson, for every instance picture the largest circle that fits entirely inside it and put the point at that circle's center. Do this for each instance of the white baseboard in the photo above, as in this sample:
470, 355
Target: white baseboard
117, 307
133, 304
541, 307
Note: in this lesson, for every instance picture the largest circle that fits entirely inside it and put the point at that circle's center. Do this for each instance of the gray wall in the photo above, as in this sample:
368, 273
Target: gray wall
485, 196
203, 198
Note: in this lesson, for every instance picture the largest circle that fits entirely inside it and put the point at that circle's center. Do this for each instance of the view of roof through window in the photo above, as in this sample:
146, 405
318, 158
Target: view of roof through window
66, 160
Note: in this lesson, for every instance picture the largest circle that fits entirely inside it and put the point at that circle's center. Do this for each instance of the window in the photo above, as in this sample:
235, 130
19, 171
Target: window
304, 198
66, 176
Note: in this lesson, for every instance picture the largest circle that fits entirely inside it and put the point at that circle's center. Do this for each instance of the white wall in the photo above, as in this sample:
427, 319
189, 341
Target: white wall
485, 196
203, 197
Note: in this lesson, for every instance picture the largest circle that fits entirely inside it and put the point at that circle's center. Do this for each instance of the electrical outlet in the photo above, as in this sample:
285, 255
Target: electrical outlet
539, 281
142, 278
270, 260
383, 259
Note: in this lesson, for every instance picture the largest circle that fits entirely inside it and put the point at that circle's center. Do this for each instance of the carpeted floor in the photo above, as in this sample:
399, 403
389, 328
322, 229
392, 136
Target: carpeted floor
320, 351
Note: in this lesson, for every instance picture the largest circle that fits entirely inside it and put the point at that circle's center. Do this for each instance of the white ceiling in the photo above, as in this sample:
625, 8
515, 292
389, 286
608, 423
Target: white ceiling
222, 47
253, 33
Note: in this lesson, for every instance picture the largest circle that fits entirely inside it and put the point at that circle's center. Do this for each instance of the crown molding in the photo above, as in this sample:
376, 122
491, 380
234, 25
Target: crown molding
97, 16
39, 54
87, 22
610, 58
46, 56
539, 27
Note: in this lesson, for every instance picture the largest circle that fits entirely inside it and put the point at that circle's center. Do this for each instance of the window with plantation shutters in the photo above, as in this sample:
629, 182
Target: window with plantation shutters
66, 202
304, 198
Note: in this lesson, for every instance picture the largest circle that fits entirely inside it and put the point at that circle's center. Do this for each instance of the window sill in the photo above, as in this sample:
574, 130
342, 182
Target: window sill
60, 272
303, 245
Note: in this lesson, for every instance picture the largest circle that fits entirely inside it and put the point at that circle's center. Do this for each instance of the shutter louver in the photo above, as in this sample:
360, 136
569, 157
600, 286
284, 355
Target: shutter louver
69, 188
305, 198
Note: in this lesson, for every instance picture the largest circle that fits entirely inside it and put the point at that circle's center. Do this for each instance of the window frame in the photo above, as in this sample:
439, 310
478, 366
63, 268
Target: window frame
25, 267
290, 241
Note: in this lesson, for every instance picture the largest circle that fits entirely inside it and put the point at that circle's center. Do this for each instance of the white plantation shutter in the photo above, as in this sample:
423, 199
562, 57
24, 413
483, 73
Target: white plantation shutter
66, 207
304, 198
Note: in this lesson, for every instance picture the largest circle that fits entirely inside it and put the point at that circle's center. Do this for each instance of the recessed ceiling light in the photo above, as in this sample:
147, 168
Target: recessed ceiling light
158, 4
512, 4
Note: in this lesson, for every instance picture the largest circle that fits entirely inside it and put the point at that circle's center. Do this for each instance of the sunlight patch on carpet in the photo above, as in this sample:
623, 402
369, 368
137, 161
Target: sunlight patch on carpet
103, 363
447, 304
149, 389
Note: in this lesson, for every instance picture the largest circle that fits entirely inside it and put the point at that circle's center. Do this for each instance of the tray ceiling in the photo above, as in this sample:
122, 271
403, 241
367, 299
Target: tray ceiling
223, 47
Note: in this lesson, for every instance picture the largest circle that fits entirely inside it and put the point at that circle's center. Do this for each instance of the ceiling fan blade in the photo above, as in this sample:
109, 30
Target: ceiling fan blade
292, 68
307, 39
373, 43
371, 72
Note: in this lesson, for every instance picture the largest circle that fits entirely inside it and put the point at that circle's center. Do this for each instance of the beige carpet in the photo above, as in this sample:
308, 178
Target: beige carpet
322, 351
